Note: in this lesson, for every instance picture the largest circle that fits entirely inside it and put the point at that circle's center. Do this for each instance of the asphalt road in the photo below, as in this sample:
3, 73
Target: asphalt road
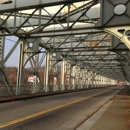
57, 112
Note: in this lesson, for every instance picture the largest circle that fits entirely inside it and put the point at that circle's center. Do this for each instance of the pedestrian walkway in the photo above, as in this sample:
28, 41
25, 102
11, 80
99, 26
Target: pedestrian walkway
115, 115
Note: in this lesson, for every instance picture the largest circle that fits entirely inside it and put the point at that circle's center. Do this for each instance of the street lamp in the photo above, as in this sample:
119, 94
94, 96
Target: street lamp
5, 1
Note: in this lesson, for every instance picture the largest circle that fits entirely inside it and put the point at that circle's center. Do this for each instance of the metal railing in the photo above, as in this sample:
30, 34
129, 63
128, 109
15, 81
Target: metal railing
30, 89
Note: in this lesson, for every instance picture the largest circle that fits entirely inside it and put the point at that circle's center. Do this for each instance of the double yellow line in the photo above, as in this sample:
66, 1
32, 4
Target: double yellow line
48, 110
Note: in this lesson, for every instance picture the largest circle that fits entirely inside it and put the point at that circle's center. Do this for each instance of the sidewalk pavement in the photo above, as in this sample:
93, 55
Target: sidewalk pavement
114, 115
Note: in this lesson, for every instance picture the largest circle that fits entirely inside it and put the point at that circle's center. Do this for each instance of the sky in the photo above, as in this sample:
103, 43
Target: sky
13, 59
9, 43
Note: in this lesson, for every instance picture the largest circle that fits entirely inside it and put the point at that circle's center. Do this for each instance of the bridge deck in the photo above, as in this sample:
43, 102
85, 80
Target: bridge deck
115, 114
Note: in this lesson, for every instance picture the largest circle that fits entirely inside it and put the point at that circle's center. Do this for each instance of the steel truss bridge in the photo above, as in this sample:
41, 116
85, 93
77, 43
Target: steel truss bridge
89, 40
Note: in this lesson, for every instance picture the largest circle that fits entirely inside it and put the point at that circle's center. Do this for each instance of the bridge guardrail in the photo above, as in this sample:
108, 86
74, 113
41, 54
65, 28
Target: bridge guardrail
29, 88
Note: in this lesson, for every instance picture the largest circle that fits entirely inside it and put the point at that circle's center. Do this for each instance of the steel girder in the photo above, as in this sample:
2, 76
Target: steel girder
22, 24
117, 21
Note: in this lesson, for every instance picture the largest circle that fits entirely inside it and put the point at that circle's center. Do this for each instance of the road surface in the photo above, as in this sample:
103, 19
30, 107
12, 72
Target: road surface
58, 112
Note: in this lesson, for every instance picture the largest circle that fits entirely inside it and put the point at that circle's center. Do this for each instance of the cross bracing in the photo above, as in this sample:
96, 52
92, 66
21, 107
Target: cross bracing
69, 34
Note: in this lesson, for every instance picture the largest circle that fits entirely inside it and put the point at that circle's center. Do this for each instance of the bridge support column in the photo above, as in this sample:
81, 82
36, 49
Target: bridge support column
84, 78
4, 81
73, 77
92, 80
46, 72
81, 79
87, 80
63, 75
36, 76
20, 68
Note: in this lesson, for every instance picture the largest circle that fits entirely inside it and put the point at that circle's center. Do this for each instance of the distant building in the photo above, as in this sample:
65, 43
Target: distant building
32, 79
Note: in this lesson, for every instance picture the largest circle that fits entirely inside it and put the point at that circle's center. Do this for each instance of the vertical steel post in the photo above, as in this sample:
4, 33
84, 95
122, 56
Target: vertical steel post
20, 67
89, 82
46, 72
95, 80
92, 79
86, 79
63, 75
3, 76
2, 45
81, 78
73, 77
36, 67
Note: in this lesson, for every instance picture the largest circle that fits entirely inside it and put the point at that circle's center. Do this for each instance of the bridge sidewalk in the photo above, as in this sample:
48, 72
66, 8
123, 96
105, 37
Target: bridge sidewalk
114, 115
